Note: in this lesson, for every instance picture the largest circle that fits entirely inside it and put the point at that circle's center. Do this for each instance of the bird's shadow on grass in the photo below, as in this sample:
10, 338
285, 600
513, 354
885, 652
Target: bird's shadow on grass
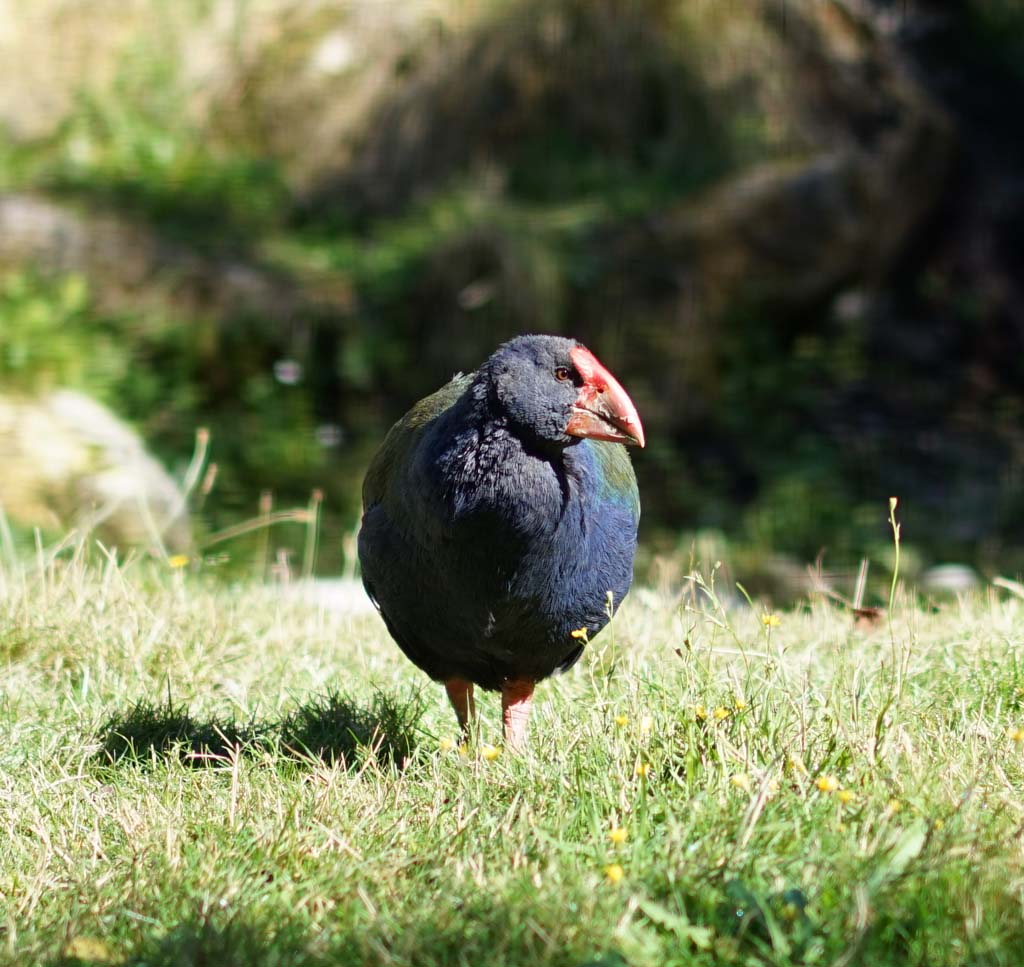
280, 940
238, 943
335, 729
149, 731
331, 728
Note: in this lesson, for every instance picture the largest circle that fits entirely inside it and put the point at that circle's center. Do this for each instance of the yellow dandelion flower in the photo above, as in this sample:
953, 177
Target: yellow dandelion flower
893, 807
490, 752
796, 765
583, 633
827, 783
700, 713
618, 834
177, 561
740, 704
770, 620
938, 824
847, 796
741, 781
621, 720
446, 744
614, 873
643, 769
646, 723
1016, 735
720, 713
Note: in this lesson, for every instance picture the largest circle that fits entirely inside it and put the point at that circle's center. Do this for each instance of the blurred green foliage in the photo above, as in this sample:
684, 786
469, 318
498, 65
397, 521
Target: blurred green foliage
174, 178
998, 28
394, 300
136, 148
49, 336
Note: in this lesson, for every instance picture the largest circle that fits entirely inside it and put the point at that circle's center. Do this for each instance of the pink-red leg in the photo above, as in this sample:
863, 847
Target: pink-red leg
516, 698
460, 694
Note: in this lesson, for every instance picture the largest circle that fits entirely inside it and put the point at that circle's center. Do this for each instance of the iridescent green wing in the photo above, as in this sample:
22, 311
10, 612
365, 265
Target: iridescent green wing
402, 437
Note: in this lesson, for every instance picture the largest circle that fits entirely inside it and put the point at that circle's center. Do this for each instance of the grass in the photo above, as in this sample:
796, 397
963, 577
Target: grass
783, 789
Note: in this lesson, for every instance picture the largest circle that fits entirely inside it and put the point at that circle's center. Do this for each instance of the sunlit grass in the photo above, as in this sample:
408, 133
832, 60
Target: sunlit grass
192, 773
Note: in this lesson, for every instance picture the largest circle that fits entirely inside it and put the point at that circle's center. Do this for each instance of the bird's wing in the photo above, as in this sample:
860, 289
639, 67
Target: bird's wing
402, 437
392, 517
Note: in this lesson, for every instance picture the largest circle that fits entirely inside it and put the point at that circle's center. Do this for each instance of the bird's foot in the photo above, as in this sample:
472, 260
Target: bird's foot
516, 698
460, 694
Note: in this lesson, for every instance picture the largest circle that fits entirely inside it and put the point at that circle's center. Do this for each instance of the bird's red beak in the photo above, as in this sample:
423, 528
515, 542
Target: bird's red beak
603, 410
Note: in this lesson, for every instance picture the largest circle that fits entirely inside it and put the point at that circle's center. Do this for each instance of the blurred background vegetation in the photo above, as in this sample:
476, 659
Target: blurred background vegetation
793, 229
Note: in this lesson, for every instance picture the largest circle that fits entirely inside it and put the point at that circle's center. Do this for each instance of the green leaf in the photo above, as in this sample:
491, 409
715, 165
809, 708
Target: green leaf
905, 849
677, 923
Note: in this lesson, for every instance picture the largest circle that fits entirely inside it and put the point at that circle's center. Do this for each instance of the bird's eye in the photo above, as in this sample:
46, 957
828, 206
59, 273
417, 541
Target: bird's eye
562, 374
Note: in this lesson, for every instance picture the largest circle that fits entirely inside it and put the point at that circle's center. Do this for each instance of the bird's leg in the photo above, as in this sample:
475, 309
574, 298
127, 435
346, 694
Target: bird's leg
460, 694
516, 698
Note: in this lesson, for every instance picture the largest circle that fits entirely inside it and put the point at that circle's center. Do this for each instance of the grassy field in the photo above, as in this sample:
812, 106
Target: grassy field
193, 775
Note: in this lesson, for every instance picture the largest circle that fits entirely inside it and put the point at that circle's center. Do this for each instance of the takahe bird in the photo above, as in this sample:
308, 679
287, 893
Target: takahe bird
499, 521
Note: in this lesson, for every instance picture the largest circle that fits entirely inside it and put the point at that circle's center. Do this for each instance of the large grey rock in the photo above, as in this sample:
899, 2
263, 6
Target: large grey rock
131, 266
69, 463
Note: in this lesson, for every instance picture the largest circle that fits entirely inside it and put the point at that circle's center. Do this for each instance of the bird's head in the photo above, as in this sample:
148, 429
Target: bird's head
556, 391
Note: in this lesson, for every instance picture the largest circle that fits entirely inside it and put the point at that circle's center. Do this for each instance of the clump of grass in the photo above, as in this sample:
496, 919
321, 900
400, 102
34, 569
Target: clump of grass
337, 729
778, 921
149, 731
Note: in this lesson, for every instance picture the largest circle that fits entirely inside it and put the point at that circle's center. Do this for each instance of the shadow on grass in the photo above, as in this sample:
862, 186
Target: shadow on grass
336, 729
150, 731
237, 943
331, 728
279, 939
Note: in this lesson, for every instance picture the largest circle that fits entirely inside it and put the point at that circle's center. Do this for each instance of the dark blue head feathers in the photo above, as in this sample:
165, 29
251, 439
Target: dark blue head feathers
532, 384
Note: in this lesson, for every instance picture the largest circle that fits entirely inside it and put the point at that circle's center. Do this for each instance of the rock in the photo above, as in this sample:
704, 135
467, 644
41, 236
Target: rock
71, 463
787, 233
131, 266
337, 595
954, 578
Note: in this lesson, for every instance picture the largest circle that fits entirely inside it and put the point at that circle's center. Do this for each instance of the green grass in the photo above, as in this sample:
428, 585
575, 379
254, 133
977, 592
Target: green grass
198, 774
